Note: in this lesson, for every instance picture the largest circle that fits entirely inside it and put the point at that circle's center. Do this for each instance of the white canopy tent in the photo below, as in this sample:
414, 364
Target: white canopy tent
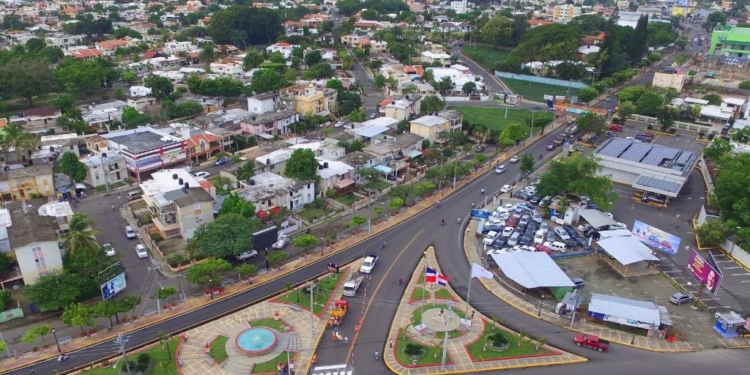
627, 250
532, 270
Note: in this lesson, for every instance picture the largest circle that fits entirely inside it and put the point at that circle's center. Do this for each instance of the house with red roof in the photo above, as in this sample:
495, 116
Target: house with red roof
201, 147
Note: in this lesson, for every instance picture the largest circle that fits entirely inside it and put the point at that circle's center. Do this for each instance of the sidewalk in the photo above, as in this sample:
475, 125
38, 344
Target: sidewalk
532, 308
459, 359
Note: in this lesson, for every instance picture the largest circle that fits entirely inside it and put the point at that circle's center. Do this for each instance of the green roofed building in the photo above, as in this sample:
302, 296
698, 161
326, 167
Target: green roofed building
730, 41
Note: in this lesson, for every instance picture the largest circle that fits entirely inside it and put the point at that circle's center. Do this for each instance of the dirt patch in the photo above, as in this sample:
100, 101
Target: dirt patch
600, 278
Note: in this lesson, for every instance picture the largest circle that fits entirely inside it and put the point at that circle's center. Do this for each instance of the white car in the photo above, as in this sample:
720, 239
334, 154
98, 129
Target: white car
130, 233
338, 124
531, 189
508, 231
141, 251
281, 243
515, 159
500, 169
509, 207
368, 264
506, 188
245, 255
489, 238
202, 174
499, 216
544, 227
108, 249
539, 237
497, 221
560, 232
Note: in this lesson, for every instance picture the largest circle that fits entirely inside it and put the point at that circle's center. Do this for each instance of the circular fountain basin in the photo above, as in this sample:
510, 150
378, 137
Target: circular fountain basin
256, 341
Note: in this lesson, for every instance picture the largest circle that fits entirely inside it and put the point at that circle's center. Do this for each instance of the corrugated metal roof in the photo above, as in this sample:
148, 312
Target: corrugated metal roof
640, 311
595, 217
627, 250
532, 270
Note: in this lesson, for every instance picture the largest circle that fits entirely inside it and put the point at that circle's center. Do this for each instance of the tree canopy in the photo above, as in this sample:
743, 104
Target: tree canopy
260, 25
732, 190
71, 166
207, 271
26, 79
228, 235
302, 165
577, 174
234, 204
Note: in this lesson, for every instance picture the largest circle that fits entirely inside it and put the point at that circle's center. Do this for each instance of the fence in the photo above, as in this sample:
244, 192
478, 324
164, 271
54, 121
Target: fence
543, 80
706, 176
677, 124
738, 253
11, 314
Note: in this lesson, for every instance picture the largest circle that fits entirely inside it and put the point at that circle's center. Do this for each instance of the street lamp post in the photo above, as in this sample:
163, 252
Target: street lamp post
211, 288
56, 342
539, 313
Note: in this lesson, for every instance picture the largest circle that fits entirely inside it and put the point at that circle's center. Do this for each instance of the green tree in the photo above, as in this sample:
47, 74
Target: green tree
245, 270
252, 59
261, 25
207, 271
667, 115
35, 332
6, 299
577, 174
380, 81
745, 85
313, 57
57, 290
636, 48
234, 204
128, 303
511, 134
717, 149
444, 86
498, 31
80, 235
395, 203
527, 163
713, 99
305, 241
713, 19
106, 309
424, 188
626, 109
431, 104
3, 346
246, 171
160, 86
276, 257
84, 76
64, 102
71, 166
302, 165
587, 94
133, 119
228, 235
357, 221
26, 79
16, 138
712, 233
266, 80
481, 158
79, 315
649, 103
591, 123
732, 189
469, 88
129, 77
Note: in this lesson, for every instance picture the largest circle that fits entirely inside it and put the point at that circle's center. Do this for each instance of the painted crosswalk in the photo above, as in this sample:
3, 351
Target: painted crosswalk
332, 370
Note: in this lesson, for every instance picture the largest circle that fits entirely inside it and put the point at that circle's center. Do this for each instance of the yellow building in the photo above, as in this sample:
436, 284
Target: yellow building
429, 127
667, 79
566, 12
310, 100
22, 183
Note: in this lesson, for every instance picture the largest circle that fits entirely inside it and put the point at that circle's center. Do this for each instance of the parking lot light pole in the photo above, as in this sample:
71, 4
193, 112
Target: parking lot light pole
539, 314
211, 288
56, 342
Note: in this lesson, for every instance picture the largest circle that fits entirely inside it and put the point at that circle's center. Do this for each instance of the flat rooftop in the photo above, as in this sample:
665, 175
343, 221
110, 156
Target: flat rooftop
675, 160
142, 139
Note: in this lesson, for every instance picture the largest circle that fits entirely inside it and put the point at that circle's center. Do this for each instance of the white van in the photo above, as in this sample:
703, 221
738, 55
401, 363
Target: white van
556, 246
135, 194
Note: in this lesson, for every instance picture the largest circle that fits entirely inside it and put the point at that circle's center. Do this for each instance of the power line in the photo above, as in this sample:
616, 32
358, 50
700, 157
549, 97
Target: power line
122, 341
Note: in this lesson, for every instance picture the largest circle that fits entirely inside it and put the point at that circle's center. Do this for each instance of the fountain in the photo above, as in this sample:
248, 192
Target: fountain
256, 341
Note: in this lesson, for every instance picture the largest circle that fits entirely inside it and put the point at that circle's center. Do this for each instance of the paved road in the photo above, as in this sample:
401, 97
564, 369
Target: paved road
398, 259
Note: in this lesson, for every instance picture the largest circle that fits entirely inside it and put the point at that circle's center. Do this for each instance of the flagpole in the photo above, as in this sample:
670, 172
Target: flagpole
424, 285
468, 295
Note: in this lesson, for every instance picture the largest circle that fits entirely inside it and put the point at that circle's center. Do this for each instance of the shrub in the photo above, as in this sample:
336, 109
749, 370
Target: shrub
175, 260
711, 136
498, 340
673, 130
156, 237
650, 127
701, 134
144, 358
413, 350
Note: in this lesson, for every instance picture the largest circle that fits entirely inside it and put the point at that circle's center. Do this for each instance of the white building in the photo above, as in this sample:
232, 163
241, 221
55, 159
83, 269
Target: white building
227, 69
334, 175
140, 91
459, 75
268, 190
262, 103
429, 57
460, 7
175, 47
105, 169
283, 47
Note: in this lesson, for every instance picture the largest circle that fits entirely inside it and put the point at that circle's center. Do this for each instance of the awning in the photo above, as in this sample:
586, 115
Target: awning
414, 154
596, 218
343, 183
264, 135
624, 311
383, 169
532, 270
627, 250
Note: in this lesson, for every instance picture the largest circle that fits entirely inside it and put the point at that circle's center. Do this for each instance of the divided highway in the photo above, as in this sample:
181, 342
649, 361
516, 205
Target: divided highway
405, 244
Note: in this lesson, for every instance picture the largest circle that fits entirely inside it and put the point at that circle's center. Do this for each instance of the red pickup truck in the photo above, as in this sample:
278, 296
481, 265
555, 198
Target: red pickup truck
591, 341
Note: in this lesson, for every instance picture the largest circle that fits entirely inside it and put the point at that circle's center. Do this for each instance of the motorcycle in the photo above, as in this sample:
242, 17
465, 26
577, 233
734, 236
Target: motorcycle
62, 357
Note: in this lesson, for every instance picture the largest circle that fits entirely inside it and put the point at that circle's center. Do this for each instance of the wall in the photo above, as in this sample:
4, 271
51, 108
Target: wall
739, 254
706, 176
28, 265
677, 124
11, 314
544, 80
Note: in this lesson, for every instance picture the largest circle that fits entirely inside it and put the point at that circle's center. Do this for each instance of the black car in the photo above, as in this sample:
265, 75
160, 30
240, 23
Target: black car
522, 195
535, 199
521, 228
525, 240
582, 242
572, 244
490, 228
531, 228
500, 242
571, 231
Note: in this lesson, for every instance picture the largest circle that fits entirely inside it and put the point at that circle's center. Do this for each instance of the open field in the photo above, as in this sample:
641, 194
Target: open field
487, 57
494, 118
535, 91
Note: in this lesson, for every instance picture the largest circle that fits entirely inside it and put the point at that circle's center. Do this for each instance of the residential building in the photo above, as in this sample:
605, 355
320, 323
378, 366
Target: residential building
268, 190
428, 57
430, 127
375, 46
146, 149
283, 47
59, 144
34, 237
37, 120
670, 78
327, 149
393, 153
353, 40
335, 175
233, 70
108, 47
730, 41
262, 103
275, 161
140, 91
63, 41
103, 114
229, 119
454, 117
87, 54
179, 202
175, 47
310, 99
270, 123
202, 146
566, 12
400, 107
359, 160
105, 169
460, 7
22, 183
459, 75
141, 102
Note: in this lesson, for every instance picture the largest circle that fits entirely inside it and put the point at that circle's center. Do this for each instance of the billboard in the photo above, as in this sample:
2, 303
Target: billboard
708, 275
265, 238
113, 286
665, 242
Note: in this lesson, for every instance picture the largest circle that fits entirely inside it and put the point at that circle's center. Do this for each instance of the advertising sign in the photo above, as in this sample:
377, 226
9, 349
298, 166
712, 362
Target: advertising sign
113, 286
665, 242
704, 272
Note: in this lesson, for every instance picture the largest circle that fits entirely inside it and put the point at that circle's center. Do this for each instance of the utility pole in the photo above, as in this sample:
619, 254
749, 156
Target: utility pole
312, 309
122, 341
445, 340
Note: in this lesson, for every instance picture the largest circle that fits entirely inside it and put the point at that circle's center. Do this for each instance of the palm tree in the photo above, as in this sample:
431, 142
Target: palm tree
17, 138
80, 236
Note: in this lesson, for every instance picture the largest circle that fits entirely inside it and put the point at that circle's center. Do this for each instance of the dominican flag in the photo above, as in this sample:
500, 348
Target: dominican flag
430, 275
442, 280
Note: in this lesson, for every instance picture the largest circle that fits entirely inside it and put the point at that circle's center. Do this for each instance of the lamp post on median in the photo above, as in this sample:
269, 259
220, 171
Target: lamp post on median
211, 288
56, 342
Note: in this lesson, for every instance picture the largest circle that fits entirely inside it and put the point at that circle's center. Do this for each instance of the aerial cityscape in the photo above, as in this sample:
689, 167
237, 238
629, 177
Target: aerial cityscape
355, 187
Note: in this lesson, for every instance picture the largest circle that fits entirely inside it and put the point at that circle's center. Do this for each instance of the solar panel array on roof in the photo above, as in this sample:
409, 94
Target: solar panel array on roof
636, 152
659, 155
684, 158
614, 148
670, 186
